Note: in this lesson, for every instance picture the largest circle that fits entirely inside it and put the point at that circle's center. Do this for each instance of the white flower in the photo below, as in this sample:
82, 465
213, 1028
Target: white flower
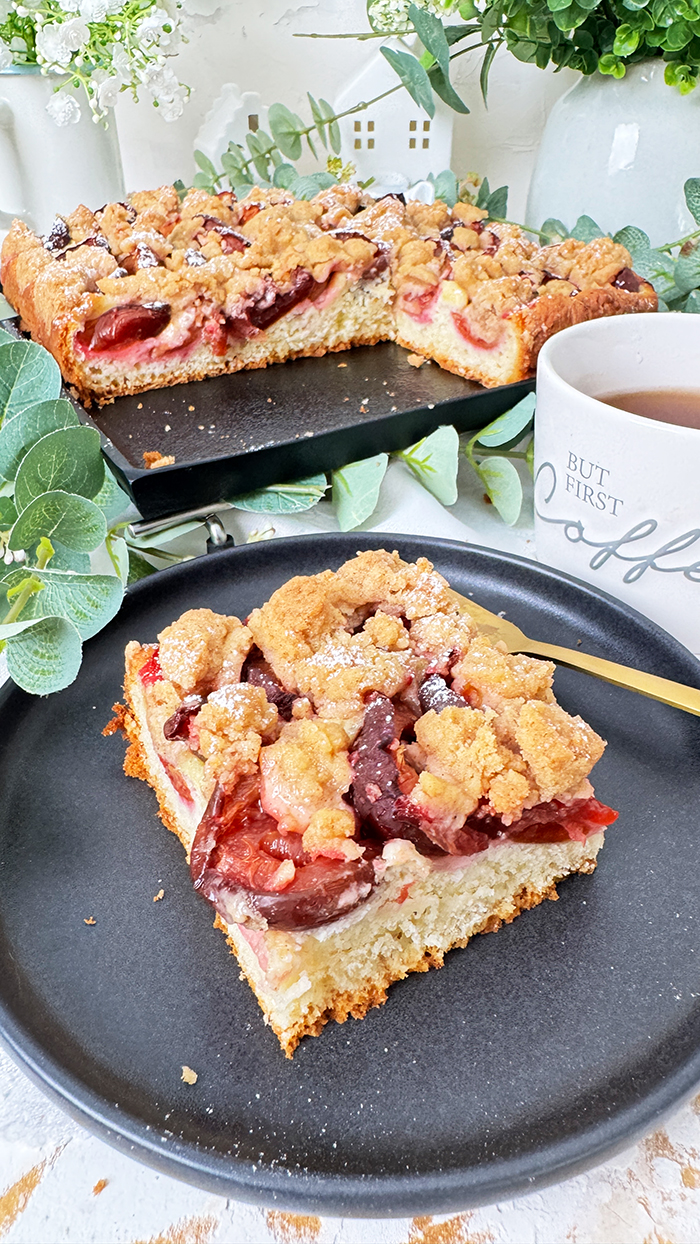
151, 32
56, 42
97, 10
122, 66
5, 56
5, 10
63, 108
167, 92
108, 92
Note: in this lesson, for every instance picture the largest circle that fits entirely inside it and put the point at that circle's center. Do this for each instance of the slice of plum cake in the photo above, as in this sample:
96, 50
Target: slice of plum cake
360, 779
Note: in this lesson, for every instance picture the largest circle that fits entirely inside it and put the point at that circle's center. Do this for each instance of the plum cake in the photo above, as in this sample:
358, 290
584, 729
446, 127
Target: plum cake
360, 779
155, 291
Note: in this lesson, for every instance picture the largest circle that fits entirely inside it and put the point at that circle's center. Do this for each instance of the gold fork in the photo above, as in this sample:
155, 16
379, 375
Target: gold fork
495, 627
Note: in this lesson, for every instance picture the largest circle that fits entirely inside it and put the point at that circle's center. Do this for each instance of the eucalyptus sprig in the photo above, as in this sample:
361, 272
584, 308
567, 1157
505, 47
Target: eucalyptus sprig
58, 507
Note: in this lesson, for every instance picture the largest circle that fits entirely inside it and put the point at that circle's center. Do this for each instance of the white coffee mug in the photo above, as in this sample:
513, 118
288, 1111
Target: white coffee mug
617, 496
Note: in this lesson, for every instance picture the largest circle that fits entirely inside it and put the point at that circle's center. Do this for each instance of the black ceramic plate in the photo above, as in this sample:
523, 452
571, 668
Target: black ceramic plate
232, 434
530, 1056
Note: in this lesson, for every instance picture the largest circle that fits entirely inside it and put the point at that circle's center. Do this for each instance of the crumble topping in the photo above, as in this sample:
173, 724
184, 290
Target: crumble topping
152, 282
305, 772
203, 648
358, 710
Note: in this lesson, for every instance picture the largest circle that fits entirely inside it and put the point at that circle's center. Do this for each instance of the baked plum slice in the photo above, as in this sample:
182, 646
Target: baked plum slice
272, 304
259, 673
550, 822
379, 787
122, 326
239, 850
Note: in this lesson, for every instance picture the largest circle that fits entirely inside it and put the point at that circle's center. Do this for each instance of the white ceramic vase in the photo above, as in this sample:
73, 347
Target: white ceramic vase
619, 150
46, 168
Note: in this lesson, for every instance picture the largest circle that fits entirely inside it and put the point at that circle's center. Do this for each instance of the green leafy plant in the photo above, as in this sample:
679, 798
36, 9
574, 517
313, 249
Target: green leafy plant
492, 450
57, 508
584, 35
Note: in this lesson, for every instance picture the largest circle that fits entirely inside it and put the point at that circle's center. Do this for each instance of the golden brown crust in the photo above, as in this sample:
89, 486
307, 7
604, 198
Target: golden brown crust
547, 316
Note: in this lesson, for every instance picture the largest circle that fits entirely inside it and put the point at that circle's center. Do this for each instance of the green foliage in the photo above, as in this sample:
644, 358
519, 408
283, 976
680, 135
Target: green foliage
497, 473
89, 601
495, 202
413, 76
19, 434
356, 490
304, 494
586, 230
25, 370
583, 35
67, 459
75, 521
434, 461
45, 657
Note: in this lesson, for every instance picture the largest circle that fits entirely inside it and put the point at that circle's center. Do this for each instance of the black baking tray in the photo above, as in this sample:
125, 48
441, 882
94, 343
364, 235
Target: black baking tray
235, 433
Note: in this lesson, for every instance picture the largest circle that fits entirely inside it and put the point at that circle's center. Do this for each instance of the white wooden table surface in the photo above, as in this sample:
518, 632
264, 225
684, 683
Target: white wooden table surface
61, 1185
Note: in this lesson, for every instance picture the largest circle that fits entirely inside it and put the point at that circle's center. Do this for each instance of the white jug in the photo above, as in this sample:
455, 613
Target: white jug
46, 168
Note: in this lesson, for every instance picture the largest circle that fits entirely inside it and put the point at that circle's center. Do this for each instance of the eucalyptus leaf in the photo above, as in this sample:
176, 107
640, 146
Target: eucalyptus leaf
333, 127
444, 88
205, 164
286, 127
497, 203
691, 191
285, 176
431, 33
586, 230
118, 551
8, 513
413, 76
309, 186
692, 305
687, 273
446, 187
73, 520
45, 657
19, 434
68, 459
303, 494
5, 337
89, 601
69, 559
7, 311
356, 490
506, 427
434, 461
482, 197
111, 499
636, 241
28, 374
139, 567
10, 629
319, 120
502, 483
554, 231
